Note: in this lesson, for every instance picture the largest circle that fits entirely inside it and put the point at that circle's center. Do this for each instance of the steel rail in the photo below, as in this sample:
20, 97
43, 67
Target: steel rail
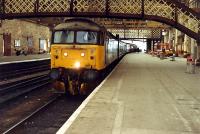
23, 71
7, 83
22, 88
21, 84
32, 114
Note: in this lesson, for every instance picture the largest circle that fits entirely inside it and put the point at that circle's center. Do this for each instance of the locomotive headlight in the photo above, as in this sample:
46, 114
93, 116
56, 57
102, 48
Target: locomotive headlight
65, 54
77, 64
82, 54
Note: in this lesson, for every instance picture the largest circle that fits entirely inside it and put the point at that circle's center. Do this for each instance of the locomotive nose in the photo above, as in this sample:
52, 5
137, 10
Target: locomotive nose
78, 58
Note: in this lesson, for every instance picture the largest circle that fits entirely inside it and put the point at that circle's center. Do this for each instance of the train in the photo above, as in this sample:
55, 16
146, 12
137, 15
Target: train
81, 51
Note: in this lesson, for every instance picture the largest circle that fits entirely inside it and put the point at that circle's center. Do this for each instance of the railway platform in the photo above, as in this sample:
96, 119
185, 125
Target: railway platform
23, 58
143, 95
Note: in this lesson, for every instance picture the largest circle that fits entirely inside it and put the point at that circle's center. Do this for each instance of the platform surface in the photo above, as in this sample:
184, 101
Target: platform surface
21, 58
143, 95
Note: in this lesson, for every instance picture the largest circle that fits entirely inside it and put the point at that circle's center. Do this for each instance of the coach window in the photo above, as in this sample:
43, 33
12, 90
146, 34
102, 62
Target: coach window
86, 37
64, 37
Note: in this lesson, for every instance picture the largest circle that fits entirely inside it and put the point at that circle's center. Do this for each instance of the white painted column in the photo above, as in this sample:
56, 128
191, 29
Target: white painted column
172, 37
193, 48
186, 44
166, 37
176, 40
198, 52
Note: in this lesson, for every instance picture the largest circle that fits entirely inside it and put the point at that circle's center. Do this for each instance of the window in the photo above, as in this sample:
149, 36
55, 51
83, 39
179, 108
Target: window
43, 45
17, 43
86, 37
30, 41
64, 37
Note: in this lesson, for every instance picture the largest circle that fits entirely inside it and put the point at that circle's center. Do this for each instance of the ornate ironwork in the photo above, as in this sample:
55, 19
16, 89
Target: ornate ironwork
128, 24
188, 20
95, 6
1, 6
131, 34
20, 6
125, 6
49, 6
171, 12
159, 8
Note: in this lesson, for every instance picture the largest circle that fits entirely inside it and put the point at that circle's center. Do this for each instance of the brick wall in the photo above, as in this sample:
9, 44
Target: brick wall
28, 33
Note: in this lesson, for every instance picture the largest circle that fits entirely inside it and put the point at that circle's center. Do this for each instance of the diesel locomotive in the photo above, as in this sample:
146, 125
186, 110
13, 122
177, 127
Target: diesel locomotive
81, 50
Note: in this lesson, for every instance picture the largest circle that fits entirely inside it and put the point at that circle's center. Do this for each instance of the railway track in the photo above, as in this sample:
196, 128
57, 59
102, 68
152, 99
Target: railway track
49, 117
31, 115
21, 72
14, 89
14, 70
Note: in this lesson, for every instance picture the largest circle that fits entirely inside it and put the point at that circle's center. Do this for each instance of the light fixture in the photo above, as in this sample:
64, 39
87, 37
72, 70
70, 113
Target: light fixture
164, 32
65, 54
82, 54
77, 64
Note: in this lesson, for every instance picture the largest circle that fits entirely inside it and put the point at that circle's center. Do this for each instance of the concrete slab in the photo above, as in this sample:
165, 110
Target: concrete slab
144, 95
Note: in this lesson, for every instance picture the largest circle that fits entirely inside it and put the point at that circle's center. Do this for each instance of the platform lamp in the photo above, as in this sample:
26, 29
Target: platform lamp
164, 32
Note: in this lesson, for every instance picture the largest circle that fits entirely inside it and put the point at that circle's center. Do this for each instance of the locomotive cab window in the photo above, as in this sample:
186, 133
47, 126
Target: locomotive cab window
63, 37
87, 37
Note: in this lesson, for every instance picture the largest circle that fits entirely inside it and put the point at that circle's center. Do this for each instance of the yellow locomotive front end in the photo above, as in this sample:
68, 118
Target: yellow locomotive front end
77, 56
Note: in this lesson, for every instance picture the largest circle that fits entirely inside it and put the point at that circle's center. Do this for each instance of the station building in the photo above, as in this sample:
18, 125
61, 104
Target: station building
19, 34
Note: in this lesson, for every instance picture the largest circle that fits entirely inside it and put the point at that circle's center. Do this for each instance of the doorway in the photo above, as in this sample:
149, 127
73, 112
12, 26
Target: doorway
6, 44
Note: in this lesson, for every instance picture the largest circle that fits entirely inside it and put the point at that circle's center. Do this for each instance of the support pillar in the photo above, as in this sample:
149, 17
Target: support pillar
176, 40
198, 47
198, 51
152, 43
193, 49
171, 39
148, 45
186, 44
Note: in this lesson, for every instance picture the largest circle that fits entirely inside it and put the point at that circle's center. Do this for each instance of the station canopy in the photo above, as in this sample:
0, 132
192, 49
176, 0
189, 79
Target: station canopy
125, 28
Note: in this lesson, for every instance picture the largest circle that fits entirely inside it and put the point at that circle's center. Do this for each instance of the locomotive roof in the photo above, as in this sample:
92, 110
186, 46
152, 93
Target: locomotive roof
82, 24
